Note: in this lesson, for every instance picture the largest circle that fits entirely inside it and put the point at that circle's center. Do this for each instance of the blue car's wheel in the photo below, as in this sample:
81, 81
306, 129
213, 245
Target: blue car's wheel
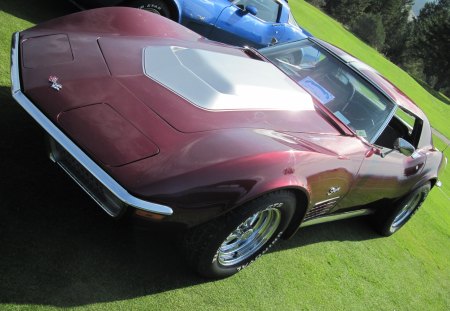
155, 6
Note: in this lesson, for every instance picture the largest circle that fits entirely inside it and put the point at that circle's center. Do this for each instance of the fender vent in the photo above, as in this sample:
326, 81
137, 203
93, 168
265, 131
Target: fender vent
321, 208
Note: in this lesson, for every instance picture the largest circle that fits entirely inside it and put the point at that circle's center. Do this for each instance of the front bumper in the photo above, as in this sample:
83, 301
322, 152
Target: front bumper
108, 193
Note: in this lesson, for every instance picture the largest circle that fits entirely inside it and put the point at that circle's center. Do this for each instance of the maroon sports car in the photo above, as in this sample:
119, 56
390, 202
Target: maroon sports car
234, 147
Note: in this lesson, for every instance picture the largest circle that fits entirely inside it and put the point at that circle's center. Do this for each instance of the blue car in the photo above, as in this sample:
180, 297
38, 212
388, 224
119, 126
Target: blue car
256, 23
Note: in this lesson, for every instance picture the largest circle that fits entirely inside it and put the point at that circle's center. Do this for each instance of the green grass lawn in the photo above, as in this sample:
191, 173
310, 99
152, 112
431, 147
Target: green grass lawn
58, 250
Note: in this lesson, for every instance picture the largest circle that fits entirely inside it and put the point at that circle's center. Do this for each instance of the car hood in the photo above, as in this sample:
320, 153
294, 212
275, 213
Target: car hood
193, 85
205, 86
114, 92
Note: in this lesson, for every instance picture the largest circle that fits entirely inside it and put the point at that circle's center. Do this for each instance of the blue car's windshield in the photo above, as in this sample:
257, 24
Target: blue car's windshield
334, 84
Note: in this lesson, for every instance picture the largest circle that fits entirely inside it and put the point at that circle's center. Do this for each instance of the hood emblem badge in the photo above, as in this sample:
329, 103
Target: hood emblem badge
333, 190
54, 81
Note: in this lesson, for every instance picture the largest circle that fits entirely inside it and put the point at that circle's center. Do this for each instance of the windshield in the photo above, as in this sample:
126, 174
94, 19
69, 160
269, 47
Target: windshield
351, 98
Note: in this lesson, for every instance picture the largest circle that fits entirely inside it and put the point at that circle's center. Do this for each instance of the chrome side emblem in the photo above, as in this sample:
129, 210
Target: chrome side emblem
54, 81
333, 190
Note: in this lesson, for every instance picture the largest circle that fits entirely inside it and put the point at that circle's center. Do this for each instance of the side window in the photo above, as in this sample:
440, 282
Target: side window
403, 125
267, 10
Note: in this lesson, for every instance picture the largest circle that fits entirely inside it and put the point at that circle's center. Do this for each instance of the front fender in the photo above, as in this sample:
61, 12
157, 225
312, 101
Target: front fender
213, 191
433, 167
214, 174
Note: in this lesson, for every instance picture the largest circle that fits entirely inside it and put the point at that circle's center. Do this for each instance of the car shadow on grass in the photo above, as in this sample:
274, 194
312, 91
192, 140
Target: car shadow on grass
58, 248
355, 229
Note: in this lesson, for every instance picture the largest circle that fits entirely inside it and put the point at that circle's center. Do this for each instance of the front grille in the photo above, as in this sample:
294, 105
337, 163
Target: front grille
321, 208
96, 190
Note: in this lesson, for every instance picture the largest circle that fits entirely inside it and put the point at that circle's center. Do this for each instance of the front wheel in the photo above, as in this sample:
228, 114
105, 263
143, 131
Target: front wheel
226, 245
154, 6
389, 221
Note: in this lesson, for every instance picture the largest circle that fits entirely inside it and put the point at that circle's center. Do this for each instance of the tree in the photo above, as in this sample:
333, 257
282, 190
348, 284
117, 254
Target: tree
432, 43
406, 56
395, 17
369, 28
346, 11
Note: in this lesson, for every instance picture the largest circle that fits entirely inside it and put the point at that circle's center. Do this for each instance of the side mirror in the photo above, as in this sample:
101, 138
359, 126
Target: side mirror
404, 147
251, 9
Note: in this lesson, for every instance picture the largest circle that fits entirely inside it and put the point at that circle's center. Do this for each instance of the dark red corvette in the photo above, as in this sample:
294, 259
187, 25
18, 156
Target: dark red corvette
234, 146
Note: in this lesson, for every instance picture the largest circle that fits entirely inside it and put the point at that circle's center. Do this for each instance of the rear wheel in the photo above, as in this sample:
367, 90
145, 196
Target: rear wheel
389, 221
226, 245
154, 6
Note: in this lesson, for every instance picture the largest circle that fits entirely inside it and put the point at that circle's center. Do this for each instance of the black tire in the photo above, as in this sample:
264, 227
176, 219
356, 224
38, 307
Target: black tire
208, 247
155, 6
390, 220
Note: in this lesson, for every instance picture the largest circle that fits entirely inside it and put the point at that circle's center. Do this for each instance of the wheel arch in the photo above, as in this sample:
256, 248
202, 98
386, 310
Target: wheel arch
302, 199
175, 9
433, 182
301, 202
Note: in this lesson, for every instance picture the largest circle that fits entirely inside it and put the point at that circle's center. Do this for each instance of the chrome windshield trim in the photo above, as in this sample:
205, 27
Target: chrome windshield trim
15, 80
385, 124
121, 193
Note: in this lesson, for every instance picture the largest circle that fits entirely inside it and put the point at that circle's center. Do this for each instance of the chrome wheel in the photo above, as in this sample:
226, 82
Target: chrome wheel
230, 243
389, 220
249, 236
406, 211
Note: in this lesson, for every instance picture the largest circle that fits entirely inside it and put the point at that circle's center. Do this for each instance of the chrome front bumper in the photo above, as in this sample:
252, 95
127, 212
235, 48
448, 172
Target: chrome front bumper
117, 197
